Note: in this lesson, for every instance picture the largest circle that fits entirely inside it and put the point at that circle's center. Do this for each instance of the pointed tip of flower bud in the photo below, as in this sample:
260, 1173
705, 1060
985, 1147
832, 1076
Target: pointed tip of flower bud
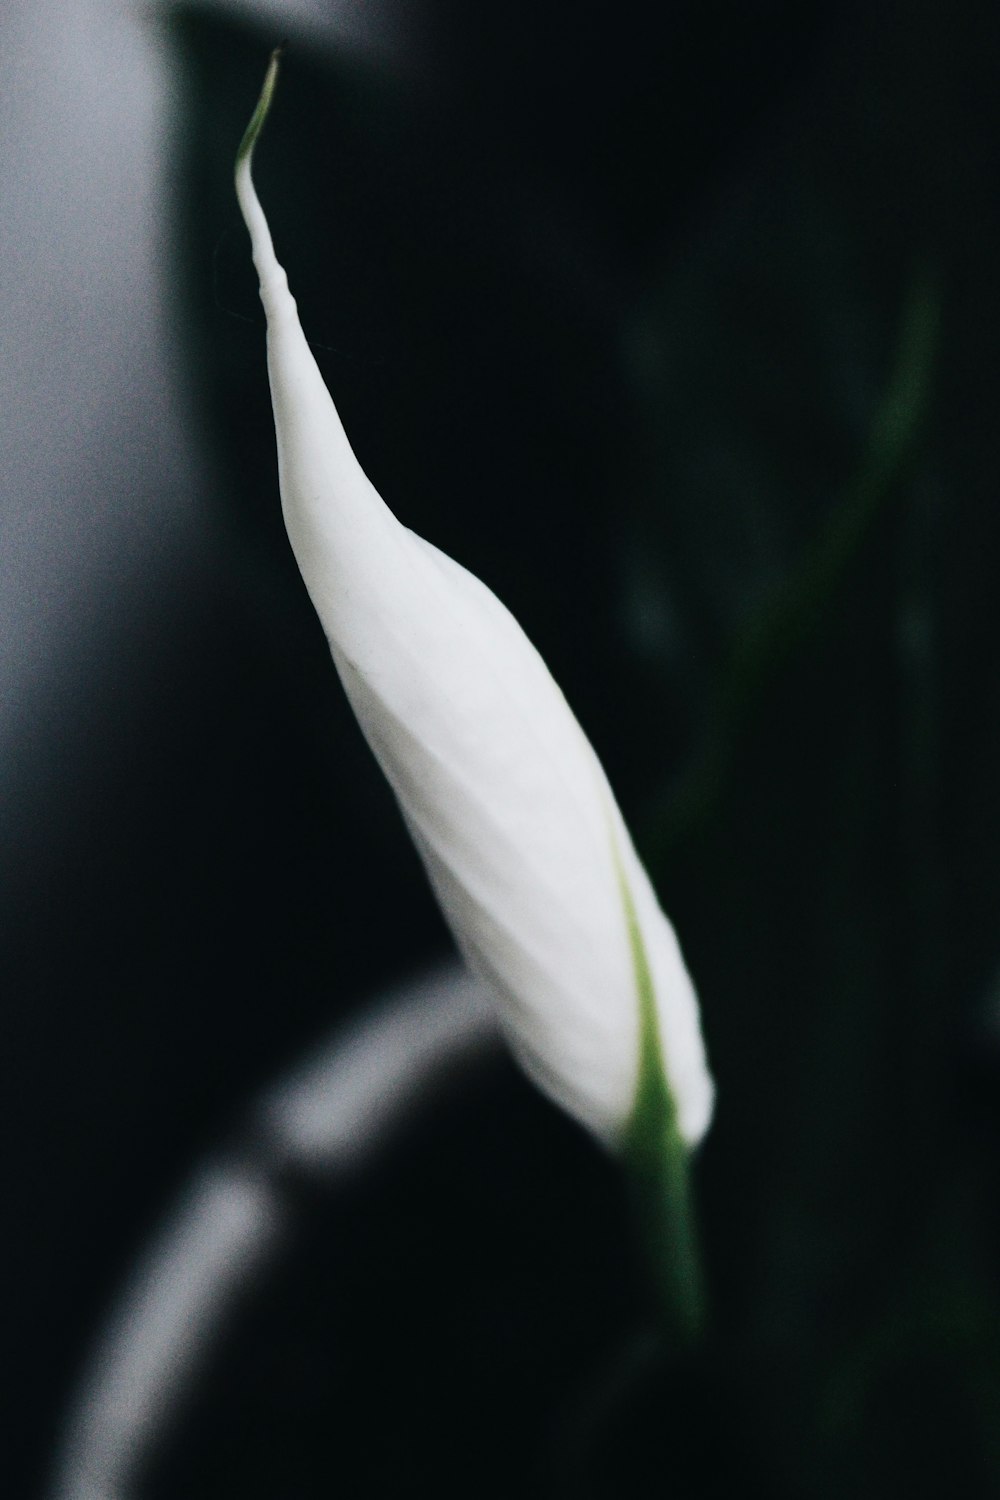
262, 110
506, 801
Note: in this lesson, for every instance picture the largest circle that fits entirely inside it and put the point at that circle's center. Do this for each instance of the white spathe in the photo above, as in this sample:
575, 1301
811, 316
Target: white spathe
504, 797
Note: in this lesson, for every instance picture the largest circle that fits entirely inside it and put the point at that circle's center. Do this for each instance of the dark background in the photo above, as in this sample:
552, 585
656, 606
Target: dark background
675, 324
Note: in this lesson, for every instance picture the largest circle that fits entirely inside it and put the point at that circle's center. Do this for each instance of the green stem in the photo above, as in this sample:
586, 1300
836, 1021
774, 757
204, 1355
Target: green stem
658, 1162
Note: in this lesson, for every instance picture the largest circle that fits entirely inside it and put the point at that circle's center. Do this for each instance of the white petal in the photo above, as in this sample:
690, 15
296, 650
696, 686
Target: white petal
505, 799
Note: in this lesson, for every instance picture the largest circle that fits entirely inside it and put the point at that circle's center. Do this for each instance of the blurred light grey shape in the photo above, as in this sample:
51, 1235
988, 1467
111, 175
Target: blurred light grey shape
345, 1100
328, 1117
226, 1226
104, 496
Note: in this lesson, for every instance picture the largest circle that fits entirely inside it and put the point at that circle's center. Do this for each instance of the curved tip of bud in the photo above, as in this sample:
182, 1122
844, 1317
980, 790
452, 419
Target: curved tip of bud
508, 804
274, 287
260, 114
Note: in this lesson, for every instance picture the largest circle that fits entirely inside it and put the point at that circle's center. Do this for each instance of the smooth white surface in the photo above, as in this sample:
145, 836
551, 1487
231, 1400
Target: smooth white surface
506, 801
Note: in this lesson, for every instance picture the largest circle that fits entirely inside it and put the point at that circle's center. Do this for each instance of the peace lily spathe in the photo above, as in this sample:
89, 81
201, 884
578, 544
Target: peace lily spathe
503, 795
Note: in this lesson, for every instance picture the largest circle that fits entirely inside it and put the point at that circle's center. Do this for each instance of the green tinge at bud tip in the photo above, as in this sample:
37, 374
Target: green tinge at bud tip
260, 114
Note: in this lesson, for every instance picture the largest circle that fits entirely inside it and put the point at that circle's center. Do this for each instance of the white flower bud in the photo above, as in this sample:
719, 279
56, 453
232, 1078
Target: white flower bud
503, 795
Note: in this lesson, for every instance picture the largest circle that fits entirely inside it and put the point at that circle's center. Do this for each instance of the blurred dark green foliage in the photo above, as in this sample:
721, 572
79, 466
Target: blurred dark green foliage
678, 329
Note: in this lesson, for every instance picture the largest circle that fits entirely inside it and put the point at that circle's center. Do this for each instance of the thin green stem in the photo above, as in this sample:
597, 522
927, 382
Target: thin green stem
658, 1161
